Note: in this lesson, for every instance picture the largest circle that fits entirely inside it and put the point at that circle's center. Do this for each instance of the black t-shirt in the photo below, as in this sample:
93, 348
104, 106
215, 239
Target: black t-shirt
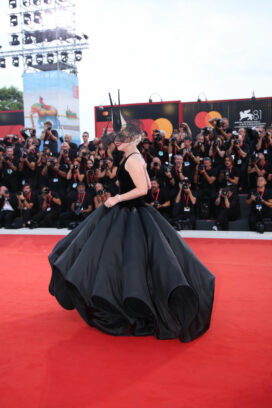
160, 196
32, 198
50, 204
202, 181
234, 202
27, 175
158, 151
232, 172
238, 159
159, 174
256, 206
9, 176
187, 171
217, 132
84, 200
186, 207
48, 142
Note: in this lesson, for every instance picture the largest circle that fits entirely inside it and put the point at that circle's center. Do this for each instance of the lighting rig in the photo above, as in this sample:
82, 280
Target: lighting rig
43, 36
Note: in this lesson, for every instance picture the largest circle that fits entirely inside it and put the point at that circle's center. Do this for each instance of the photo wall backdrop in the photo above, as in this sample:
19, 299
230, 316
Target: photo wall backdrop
158, 115
52, 95
245, 113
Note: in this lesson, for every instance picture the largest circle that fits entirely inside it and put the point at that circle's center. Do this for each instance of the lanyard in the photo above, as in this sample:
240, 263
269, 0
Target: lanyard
29, 197
79, 200
48, 204
260, 192
158, 192
176, 171
75, 177
186, 198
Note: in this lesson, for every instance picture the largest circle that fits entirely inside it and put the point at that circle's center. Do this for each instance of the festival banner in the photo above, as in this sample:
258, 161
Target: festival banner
242, 113
157, 115
52, 95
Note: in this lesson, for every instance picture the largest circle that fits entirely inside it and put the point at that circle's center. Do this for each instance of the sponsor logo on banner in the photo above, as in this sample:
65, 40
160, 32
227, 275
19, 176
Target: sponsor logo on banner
250, 118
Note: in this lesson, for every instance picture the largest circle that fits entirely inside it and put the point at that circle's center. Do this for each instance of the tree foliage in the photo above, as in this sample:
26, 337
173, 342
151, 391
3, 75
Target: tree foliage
11, 98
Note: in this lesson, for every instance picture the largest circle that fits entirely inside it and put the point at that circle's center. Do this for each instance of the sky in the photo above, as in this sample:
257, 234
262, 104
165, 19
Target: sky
175, 48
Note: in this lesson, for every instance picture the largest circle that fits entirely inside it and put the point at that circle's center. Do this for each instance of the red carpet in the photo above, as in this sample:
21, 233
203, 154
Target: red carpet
50, 358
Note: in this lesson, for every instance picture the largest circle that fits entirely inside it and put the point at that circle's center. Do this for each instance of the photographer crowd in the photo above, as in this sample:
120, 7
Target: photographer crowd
191, 177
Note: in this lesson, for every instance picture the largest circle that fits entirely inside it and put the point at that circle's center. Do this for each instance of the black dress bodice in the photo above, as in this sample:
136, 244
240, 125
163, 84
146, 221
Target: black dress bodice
126, 184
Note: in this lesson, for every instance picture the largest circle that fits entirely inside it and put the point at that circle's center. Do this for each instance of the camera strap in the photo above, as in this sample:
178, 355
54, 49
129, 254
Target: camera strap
48, 204
186, 199
261, 193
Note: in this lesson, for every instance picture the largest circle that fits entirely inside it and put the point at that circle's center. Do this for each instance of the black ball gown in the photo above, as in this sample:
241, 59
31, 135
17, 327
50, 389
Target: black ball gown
129, 273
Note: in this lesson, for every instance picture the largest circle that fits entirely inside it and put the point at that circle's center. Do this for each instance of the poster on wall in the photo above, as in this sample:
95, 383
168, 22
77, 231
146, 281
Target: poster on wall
242, 113
158, 115
54, 96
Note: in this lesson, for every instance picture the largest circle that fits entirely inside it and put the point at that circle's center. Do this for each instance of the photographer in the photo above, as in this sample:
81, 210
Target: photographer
204, 180
28, 206
91, 177
9, 166
207, 132
199, 147
183, 211
217, 153
158, 198
8, 207
50, 205
158, 171
257, 166
32, 134
264, 142
184, 130
66, 154
146, 151
260, 201
175, 146
74, 175
16, 144
81, 207
181, 170
240, 152
101, 195
27, 167
228, 206
107, 176
221, 127
229, 175
72, 146
189, 159
90, 145
50, 137
160, 145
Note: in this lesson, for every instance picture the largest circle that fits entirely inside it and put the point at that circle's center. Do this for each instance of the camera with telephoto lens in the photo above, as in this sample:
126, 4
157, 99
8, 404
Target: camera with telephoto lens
84, 154
225, 173
65, 151
49, 127
156, 203
91, 171
156, 164
46, 191
6, 157
6, 191
75, 166
167, 167
206, 131
104, 165
185, 183
2, 149
258, 198
225, 191
219, 123
18, 193
254, 158
77, 208
173, 139
201, 167
199, 144
24, 155
52, 162
15, 138
100, 192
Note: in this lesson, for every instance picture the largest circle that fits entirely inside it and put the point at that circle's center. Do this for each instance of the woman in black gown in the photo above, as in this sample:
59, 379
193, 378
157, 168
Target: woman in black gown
126, 269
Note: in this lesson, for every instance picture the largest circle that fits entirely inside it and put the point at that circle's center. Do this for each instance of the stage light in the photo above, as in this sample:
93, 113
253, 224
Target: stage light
29, 60
85, 36
50, 58
15, 61
27, 18
37, 17
37, 2
12, 4
78, 55
13, 20
39, 59
64, 56
28, 39
26, 3
2, 63
47, 1
78, 37
14, 39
